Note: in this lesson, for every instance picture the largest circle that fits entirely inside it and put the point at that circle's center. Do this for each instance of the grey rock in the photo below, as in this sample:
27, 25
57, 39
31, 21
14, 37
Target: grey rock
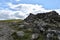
21, 26
59, 37
5, 33
20, 33
35, 36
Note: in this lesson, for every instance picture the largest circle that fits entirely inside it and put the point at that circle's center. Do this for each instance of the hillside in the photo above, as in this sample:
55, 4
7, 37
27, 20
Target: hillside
42, 26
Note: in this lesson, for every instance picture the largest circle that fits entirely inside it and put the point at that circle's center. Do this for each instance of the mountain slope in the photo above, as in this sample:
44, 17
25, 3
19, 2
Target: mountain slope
42, 26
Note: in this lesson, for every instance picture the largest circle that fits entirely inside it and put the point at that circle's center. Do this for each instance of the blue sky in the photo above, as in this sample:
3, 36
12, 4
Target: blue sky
20, 9
48, 4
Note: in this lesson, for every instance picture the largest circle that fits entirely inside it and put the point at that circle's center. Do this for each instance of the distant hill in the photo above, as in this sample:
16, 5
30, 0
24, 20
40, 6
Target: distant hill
11, 20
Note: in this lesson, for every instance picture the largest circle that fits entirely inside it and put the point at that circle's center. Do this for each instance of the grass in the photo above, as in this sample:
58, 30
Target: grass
27, 36
0, 28
11, 20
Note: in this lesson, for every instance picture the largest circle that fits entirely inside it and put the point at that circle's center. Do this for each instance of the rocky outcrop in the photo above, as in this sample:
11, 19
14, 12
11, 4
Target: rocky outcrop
47, 24
42, 26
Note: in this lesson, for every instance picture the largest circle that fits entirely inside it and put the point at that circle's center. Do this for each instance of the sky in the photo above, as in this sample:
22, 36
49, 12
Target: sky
20, 9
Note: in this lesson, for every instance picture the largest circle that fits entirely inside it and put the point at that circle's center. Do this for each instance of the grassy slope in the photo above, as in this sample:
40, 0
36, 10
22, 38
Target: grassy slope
11, 20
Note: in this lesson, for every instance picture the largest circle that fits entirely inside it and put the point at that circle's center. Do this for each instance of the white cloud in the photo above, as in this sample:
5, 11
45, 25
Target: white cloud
22, 11
17, 0
58, 11
9, 14
28, 8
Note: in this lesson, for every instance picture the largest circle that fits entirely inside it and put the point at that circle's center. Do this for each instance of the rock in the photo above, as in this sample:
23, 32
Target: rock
30, 18
5, 33
59, 37
20, 33
21, 26
35, 36
43, 22
49, 36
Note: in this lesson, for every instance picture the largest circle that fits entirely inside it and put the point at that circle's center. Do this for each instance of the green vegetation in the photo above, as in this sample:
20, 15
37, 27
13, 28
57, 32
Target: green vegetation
27, 36
41, 37
11, 20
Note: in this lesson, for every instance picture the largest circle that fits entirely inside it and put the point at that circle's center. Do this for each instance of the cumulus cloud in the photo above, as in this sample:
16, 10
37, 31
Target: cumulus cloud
9, 14
22, 11
28, 7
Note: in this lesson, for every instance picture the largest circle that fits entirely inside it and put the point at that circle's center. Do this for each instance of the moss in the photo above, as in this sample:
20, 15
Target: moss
27, 36
28, 30
0, 28
15, 28
15, 37
41, 37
